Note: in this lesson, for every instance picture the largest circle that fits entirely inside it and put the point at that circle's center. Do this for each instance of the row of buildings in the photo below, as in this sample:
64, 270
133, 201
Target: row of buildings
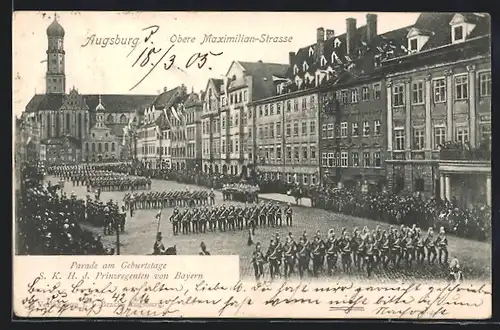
358, 109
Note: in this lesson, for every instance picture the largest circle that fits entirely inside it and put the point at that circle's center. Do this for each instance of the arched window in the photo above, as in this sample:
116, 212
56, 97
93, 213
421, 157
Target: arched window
49, 133
113, 146
67, 122
93, 147
86, 147
106, 147
58, 125
110, 118
123, 119
79, 127
99, 147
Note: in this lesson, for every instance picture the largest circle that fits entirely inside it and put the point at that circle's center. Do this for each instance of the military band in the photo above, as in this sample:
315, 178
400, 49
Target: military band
366, 250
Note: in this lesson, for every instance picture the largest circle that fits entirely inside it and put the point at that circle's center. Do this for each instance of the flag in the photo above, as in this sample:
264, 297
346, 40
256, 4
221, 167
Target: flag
131, 120
174, 113
158, 215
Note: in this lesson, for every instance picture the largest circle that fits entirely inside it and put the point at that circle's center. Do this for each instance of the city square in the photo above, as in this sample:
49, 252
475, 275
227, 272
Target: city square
375, 145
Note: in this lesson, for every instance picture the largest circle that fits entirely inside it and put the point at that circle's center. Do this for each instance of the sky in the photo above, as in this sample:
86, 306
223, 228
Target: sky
93, 69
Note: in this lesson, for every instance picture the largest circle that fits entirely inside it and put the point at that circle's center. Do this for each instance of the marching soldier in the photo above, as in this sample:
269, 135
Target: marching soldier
317, 256
274, 258
430, 244
174, 219
346, 249
442, 244
331, 252
258, 262
302, 256
369, 254
288, 215
212, 196
185, 221
289, 257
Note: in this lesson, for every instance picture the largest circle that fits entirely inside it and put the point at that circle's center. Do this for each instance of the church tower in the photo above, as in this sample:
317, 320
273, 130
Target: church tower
55, 79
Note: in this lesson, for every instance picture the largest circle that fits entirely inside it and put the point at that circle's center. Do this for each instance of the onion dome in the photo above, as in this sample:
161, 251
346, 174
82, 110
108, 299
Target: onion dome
100, 107
55, 29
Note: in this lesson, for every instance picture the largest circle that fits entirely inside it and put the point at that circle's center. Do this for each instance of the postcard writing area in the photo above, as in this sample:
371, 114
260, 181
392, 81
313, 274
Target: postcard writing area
194, 286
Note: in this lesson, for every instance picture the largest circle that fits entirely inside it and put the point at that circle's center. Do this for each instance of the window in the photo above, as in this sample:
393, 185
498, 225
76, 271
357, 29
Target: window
314, 179
343, 159
295, 105
288, 106
323, 131
398, 95
343, 129
312, 99
266, 132
376, 91
344, 98
106, 147
236, 145
278, 108
485, 84
223, 147
305, 153
485, 132
304, 178
331, 159
266, 110
289, 152
304, 128
366, 159
236, 120
261, 133
399, 139
417, 92
288, 130
271, 130
376, 159
439, 90
458, 33
355, 158
354, 95
99, 147
324, 159
278, 129
295, 129
418, 139
223, 122
330, 129
461, 87
86, 147
462, 134
377, 127
271, 109
366, 93
296, 153
312, 127
304, 103
355, 129
278, 152
439, 137
413, 45
366, 128
313, 153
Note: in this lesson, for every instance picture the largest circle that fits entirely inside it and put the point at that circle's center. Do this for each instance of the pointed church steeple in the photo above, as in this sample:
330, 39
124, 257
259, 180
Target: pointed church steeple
100, 107
55, 78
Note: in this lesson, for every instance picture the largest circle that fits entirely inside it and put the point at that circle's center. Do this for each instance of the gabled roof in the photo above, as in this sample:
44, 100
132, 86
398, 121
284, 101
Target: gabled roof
168, 98
111, 102
439, 25
61, 140
217, 84
262, 77
192, 100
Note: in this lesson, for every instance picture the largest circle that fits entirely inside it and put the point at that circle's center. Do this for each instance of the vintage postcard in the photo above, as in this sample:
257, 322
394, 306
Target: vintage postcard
235, 164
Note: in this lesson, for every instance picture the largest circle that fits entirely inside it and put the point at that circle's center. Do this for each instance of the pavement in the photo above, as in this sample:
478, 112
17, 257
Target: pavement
140, 232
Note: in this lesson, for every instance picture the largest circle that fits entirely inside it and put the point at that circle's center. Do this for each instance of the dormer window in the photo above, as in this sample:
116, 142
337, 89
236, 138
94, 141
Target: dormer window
295, 69
311, 51
458, 33
305, 67
413, 45
336, 43
323, 61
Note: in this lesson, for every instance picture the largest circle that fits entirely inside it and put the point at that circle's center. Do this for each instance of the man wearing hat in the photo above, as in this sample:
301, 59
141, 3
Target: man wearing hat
288, 215
158, 247
204, 251
331, 252
258, 261
442, 245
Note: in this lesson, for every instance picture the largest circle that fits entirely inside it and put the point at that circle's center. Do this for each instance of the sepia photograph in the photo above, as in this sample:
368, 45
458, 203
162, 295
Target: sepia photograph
329, 147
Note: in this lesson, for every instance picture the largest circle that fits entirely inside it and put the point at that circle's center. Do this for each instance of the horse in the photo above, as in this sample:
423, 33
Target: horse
170, 251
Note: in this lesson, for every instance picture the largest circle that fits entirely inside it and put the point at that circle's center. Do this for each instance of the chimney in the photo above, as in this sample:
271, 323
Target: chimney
371, 27
320, 43
350, 34
291, 57
330, 34
165, 89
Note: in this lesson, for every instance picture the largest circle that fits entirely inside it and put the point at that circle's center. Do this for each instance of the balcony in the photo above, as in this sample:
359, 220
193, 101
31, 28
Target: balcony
479, 154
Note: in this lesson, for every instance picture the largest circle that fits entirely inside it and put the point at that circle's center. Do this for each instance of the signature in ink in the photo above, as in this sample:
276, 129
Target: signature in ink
152, 56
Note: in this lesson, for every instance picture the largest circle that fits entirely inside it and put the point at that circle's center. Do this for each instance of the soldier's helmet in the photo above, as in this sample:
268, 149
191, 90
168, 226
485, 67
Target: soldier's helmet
441, 230
257, 246
106, 209
331, 231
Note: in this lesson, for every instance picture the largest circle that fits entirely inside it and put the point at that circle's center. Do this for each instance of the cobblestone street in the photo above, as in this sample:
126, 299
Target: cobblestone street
140, 231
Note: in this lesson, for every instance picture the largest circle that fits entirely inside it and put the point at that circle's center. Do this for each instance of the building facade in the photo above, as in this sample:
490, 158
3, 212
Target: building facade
211, 126
193, 112
439, 109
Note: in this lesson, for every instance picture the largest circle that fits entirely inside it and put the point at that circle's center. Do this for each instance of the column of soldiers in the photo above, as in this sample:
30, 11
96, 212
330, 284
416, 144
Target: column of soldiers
223, 218
365, 250
164, 199
105, 180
